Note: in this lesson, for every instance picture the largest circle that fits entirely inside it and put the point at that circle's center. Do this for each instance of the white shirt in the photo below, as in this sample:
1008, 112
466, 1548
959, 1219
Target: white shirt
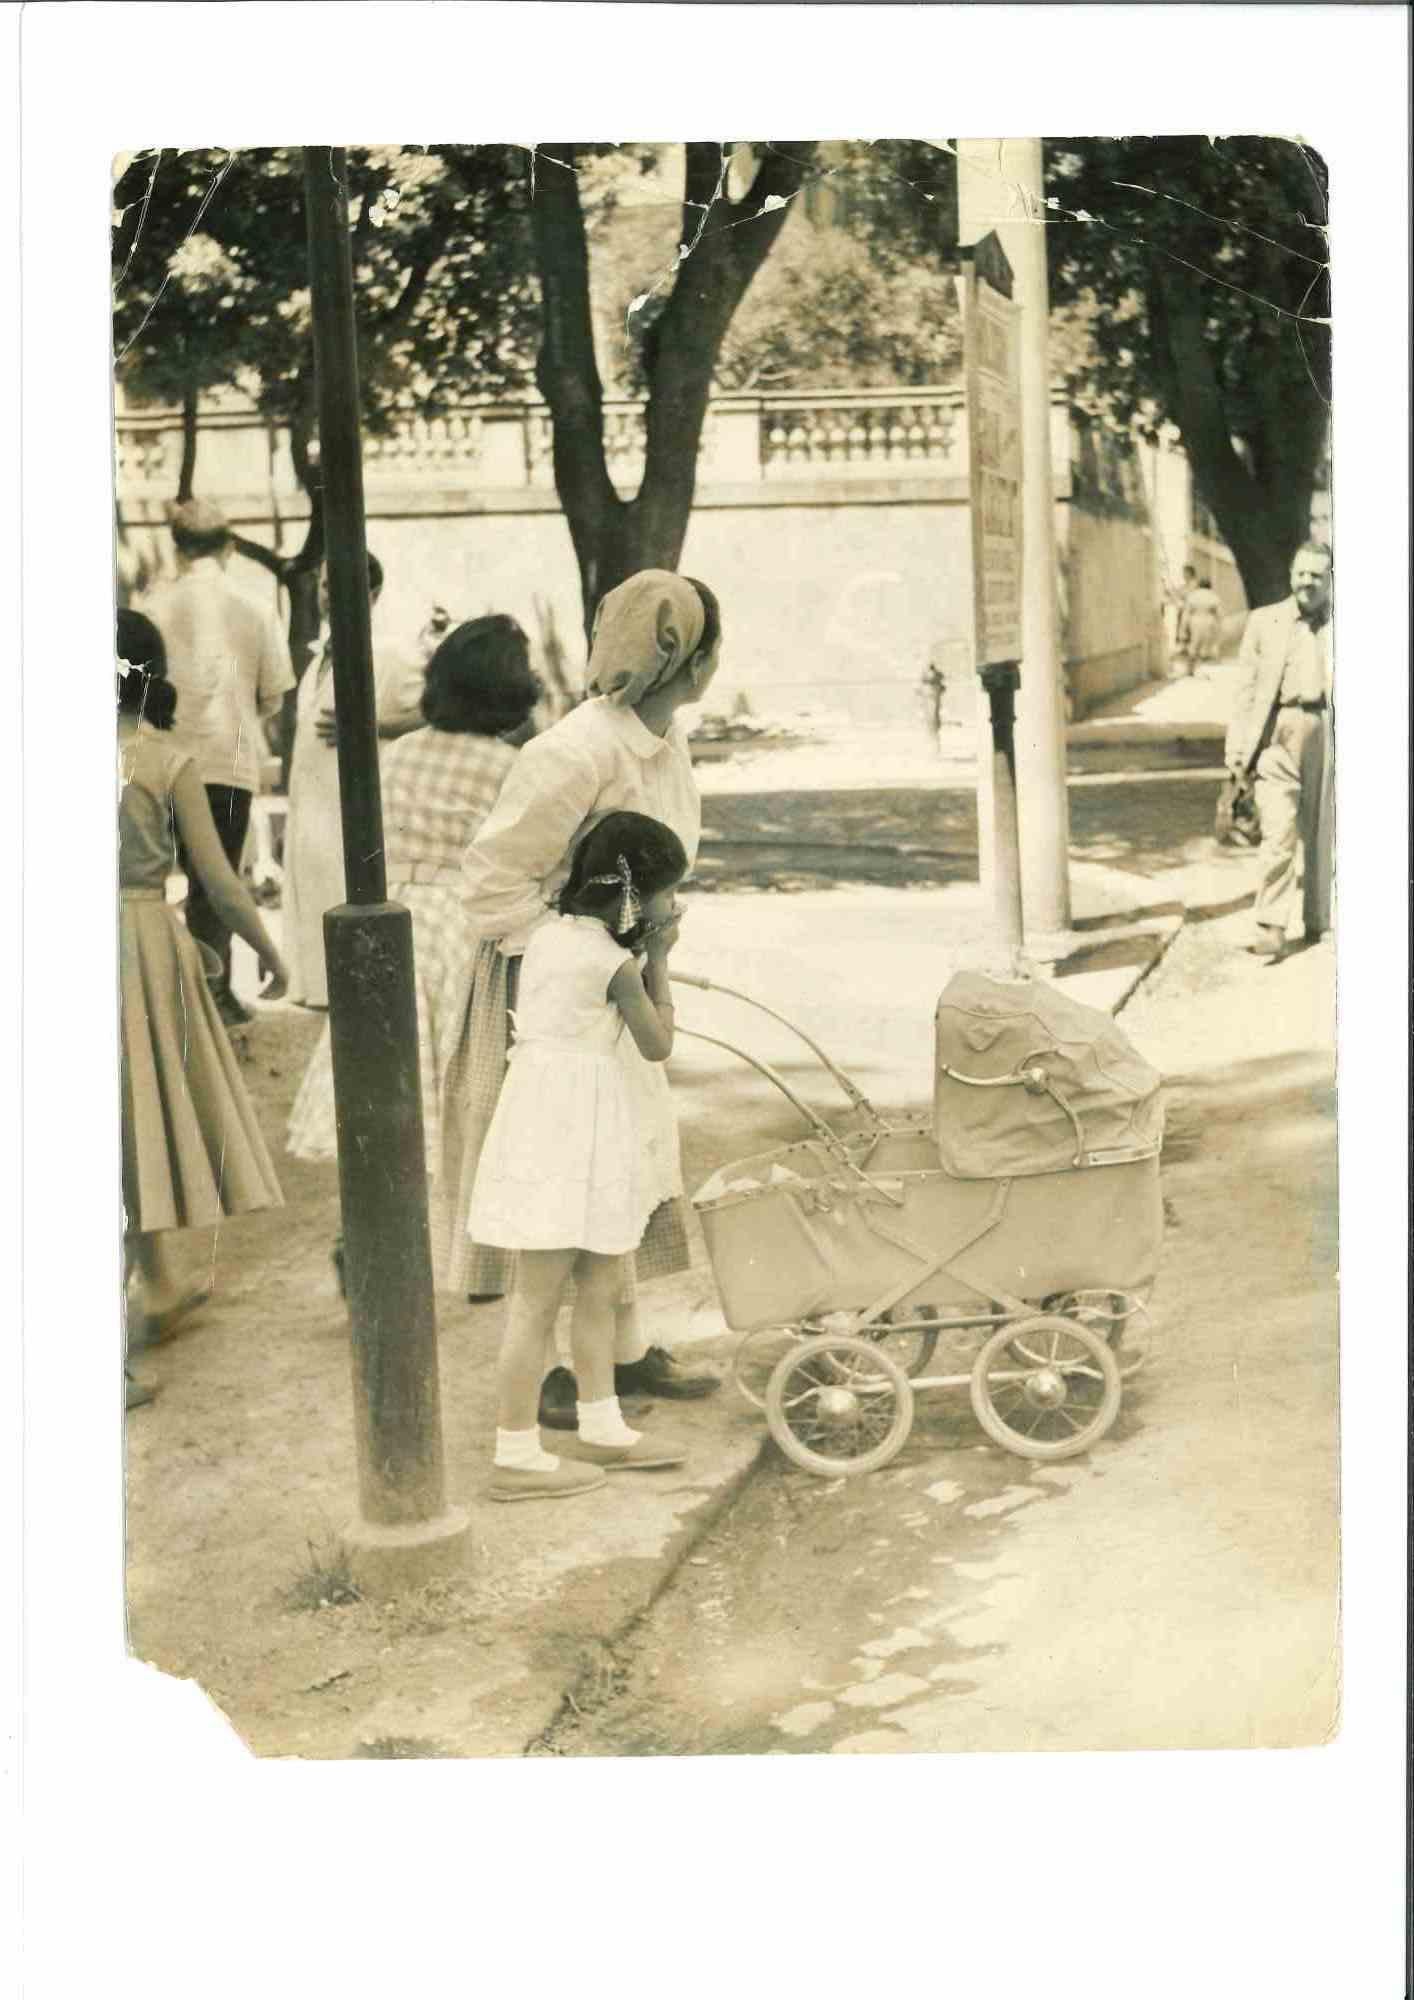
230, 665
599, 759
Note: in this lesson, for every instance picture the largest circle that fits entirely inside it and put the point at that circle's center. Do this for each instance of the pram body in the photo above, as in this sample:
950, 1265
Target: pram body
1021, 1223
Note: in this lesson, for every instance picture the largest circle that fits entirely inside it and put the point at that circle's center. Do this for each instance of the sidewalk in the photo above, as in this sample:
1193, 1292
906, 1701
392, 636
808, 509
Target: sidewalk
1160, 725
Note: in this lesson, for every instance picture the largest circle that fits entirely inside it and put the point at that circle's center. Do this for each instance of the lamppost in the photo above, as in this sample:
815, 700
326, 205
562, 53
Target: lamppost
405, 1530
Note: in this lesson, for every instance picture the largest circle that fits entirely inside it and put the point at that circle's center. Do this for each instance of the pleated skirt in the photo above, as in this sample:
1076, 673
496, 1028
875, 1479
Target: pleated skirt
192, 1148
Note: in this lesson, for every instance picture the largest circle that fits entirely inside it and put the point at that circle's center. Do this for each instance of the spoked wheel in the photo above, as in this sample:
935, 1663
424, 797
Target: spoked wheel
1111, 1315
754, 1360
911, 1344
838, 1405
1046, 1387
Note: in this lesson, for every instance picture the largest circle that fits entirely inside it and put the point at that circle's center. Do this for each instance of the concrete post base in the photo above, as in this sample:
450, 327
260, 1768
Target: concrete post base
388, 1560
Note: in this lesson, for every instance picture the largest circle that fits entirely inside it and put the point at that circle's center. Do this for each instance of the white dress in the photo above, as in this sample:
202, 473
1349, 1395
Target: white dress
583, 1146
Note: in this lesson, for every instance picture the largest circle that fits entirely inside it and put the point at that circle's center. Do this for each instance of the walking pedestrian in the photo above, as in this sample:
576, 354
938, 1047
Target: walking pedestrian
192, 1148
1202, 621
932, 690
229, 665
582, 1150
1281, 728
655, 649
438, 785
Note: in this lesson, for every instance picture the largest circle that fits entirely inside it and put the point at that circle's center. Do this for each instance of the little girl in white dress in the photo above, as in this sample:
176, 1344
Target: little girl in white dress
583, 1146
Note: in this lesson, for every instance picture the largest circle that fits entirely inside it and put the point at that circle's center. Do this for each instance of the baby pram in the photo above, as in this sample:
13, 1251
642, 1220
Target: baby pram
1018, 1228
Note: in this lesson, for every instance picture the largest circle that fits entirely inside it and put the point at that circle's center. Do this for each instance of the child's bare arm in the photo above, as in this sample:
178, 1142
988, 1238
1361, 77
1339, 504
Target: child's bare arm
649, 1018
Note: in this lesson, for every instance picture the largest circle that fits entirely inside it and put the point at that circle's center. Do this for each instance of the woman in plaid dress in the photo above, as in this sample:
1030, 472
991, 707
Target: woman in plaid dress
438, 785
655, 648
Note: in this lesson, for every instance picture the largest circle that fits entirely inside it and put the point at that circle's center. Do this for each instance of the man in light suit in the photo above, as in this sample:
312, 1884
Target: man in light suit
1281, 721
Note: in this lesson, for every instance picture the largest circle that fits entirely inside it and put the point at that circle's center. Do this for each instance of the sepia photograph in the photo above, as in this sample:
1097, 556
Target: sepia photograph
713, 1142
726, 866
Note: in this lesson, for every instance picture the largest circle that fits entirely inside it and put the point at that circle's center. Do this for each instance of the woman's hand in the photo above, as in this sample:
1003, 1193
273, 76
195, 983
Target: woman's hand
326, 726
275, 975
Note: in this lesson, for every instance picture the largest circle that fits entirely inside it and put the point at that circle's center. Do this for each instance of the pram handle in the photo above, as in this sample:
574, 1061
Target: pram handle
1030, 1075
812, 1118
851, 1090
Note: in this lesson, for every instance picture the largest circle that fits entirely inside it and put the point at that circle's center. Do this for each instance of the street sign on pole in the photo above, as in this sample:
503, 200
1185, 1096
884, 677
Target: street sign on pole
991, 329
406, 1530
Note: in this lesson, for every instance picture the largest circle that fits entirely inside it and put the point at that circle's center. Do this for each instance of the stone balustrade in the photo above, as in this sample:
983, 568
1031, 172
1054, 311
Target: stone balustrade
499, 447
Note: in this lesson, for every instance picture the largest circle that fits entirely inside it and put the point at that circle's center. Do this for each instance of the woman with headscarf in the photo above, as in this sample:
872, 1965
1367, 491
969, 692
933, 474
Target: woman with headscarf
653, 652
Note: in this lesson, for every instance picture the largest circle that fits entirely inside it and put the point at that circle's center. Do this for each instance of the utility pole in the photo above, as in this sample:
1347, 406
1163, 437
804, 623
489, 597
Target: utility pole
1000, 187
405, 1532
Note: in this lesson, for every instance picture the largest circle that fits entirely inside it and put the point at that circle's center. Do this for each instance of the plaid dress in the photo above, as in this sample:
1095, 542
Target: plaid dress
438, 787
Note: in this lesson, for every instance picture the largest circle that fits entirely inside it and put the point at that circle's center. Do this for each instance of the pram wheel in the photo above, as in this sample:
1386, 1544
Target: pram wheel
1046, 1387
837, 1405
755, 1356
907, 1337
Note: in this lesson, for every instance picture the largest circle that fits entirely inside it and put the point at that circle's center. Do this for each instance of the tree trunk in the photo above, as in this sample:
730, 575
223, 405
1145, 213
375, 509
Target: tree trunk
1263, 510
187, 475
725, 243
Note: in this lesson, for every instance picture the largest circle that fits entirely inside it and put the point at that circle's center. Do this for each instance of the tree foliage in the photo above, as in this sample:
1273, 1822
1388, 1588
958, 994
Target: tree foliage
211, 286
1200, 264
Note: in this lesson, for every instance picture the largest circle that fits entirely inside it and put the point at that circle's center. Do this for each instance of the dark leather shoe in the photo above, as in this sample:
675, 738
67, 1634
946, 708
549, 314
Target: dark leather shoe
657, 1374
559, 1397
232, 1011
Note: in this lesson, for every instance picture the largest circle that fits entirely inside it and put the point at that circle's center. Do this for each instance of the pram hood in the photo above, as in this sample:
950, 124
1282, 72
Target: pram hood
1091, 1100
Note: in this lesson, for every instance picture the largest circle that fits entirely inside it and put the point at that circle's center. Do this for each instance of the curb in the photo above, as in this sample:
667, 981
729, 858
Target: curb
695, 1531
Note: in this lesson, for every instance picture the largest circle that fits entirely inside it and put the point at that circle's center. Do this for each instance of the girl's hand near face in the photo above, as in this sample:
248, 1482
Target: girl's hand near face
660, 941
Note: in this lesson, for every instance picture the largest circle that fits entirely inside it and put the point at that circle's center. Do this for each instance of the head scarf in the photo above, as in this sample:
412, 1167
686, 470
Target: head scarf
644, 631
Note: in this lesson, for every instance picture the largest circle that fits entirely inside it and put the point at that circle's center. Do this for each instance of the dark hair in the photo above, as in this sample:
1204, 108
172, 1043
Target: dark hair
144, 690
187, 542
375, 572
656, 860
711, 617
479, 681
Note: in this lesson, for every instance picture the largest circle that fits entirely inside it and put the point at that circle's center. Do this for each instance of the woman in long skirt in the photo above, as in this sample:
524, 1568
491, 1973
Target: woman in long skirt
438, 786
192, 1148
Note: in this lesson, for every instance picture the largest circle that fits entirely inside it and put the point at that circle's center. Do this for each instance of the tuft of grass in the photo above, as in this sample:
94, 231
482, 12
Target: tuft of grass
327, 1579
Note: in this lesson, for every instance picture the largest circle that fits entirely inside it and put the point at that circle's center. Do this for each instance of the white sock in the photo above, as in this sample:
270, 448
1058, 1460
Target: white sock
603, 1423
521, 1451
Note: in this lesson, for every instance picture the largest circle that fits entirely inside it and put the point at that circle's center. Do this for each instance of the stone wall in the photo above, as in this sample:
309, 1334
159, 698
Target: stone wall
834, 529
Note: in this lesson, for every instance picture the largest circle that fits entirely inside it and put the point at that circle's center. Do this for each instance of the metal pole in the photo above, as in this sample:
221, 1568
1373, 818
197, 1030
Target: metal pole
1000, 186
1001, 682
372, 1008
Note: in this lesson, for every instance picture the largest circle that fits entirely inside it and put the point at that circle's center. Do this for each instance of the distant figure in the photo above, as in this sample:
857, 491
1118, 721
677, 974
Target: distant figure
1176, 595
1281, 729
230, 666
932, 689
1203, 618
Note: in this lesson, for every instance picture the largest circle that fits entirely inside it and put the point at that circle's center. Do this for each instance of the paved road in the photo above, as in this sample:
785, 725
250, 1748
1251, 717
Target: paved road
1176, 1588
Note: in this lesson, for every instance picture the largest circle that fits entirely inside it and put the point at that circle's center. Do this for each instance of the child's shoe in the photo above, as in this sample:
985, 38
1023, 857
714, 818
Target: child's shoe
509, 1482
645, 1454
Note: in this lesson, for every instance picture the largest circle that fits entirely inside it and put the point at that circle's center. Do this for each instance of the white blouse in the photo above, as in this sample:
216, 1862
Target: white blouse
599, 759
